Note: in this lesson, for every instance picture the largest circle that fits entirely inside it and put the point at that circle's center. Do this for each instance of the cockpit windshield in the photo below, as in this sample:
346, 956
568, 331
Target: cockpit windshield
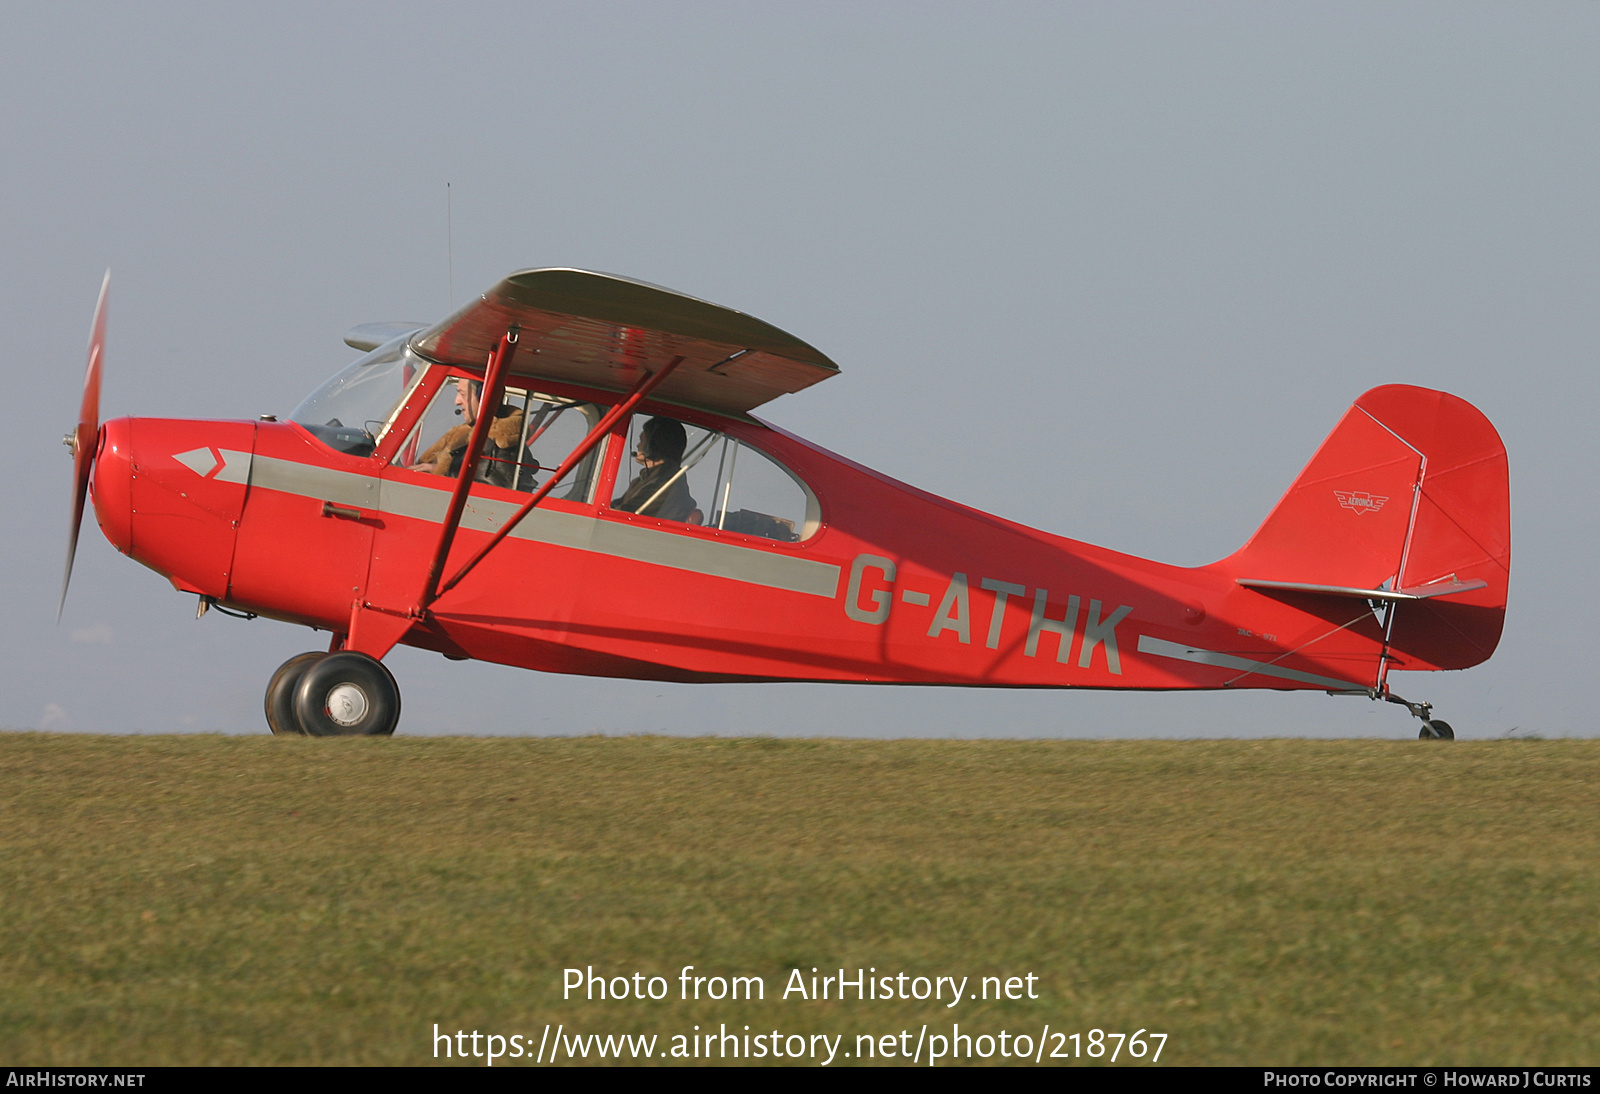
350, 411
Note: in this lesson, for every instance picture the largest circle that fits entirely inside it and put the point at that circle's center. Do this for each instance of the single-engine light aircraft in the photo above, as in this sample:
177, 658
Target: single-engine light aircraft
566, 475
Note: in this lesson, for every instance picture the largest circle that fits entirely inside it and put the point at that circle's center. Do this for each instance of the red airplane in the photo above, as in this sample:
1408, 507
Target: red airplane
565, 475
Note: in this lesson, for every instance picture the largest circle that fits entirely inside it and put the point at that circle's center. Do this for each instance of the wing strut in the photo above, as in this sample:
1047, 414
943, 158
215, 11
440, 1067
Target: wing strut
488, 404
646, 384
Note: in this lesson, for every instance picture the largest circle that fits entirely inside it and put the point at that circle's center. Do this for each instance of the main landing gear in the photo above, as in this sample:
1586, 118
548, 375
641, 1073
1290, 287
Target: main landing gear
1433, 729
342, 694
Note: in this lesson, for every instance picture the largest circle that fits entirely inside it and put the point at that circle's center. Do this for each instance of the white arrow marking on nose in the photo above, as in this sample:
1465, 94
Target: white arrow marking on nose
202, 461
219, 464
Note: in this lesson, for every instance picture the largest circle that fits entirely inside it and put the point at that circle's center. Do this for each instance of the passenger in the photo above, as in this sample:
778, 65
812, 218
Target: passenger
498, 465
660, 491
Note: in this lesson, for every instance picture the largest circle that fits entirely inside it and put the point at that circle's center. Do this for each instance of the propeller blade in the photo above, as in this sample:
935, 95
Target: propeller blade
82, 439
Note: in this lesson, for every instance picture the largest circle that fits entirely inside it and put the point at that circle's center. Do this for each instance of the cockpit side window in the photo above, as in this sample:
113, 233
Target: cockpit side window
531, 435
696, 476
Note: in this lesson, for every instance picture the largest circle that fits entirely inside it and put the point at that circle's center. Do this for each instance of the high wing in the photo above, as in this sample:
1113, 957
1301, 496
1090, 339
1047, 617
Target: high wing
601, 330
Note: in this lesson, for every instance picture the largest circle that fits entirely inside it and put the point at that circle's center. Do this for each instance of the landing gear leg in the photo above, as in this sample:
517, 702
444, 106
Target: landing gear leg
1433, 729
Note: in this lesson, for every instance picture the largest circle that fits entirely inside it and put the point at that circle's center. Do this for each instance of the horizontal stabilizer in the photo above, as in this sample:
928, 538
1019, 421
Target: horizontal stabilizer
1415, 592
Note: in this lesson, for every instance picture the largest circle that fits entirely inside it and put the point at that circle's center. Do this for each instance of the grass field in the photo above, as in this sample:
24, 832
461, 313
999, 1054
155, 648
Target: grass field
258, 900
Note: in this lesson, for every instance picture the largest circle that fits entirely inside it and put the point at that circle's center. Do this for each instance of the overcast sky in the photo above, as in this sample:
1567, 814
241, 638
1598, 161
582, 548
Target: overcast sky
1109, 270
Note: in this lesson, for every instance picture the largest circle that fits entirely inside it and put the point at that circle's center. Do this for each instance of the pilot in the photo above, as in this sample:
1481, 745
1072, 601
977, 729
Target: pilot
660, 490
498, 464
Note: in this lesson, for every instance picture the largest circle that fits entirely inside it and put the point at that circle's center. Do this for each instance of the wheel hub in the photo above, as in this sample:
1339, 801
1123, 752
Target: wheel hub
347, 704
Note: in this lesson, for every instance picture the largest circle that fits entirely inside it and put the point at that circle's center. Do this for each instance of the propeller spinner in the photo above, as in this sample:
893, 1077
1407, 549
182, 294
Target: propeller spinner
82, 439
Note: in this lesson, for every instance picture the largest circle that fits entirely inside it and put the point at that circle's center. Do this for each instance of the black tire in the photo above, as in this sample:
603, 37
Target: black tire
280, 694
347, 695
1437, 730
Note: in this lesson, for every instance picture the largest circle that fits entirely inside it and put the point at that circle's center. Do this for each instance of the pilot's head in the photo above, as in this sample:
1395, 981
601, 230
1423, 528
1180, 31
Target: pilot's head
662, 440
467, 399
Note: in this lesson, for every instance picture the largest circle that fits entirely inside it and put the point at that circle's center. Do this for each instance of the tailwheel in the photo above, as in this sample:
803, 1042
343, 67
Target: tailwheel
1436, 729
1433, 729
280, 694
347, 695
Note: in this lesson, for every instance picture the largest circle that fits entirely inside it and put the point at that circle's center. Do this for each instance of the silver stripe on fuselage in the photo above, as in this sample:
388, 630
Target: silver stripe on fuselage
583, 533
235, 466
1162, 648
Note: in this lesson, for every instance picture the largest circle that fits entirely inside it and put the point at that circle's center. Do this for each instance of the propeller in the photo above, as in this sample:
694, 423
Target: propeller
82, 439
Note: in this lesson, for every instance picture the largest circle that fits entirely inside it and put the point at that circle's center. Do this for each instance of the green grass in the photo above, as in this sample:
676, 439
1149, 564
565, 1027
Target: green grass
171, 900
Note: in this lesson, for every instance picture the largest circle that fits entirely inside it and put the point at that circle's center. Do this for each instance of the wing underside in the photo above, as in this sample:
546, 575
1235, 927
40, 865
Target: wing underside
603, 331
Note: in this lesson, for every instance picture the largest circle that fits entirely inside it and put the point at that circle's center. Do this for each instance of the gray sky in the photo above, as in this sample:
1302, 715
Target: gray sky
1112, 271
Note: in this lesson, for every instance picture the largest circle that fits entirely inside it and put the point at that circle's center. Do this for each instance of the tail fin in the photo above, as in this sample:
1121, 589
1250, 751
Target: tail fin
1408, 494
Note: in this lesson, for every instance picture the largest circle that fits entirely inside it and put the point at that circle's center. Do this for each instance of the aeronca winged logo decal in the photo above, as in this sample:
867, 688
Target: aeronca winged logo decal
1360, 501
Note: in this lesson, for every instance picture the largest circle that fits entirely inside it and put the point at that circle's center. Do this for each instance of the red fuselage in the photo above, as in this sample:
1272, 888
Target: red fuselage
894, 585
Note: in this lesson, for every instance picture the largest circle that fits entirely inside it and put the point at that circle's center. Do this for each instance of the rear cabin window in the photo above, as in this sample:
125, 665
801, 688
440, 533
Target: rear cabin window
681, 472
530, 437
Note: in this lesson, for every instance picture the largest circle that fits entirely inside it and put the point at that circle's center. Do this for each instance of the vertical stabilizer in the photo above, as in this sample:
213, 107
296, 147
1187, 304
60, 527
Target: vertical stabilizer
1409, 490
